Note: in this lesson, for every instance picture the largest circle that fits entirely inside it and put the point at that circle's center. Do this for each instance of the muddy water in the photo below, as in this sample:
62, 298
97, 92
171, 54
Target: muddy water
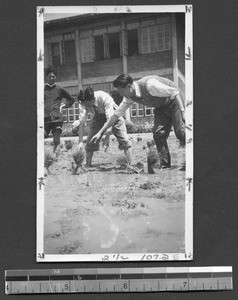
107, 212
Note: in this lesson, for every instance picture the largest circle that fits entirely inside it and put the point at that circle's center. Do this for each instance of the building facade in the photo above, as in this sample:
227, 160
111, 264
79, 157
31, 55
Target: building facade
94, 49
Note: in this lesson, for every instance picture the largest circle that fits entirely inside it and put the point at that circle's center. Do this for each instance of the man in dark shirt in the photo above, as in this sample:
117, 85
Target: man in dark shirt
53, 116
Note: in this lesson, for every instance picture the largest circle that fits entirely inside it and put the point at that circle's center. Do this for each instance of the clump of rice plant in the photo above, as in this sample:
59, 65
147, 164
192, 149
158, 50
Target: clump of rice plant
139, 139
123, 161
78, 156
68, 144
150, 144
144, 147
153, 158
48, 161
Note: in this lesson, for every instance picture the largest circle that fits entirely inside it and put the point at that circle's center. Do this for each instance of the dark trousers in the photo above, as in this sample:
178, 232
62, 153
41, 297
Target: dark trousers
164, 118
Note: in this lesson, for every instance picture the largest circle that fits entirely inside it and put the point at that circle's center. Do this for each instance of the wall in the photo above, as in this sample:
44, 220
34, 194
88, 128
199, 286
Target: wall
151, 61
104, 67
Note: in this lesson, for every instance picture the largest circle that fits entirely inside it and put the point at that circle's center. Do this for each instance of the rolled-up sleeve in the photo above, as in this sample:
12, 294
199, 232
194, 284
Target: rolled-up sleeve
157, 88
125, 104
109, 108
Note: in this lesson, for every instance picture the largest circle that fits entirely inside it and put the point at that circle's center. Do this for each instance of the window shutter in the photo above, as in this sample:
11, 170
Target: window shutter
87, 49
160, 37
139, 41
124, 42
63, 52
144, 40
49, 54
152, 41
167, 36
106, 45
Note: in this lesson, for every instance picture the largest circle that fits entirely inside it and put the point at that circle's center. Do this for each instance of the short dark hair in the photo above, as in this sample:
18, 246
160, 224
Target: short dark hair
122, 81
85, 94
51, 69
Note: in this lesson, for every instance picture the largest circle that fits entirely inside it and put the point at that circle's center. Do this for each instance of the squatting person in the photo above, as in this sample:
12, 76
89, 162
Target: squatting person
53, 116
102, 106
158, 92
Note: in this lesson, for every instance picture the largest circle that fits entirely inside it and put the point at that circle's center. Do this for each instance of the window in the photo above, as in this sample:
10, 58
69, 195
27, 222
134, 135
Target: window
134, 110
149, 111
71, 114
55, 50
137, 110
68, 52
132, 40
99, 47
65, 115
163, 37
76, 111
156, 38
140, 108
86, 49
114, 45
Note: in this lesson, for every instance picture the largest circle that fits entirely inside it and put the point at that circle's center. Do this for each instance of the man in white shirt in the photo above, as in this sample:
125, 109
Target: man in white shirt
158, 92
102, 106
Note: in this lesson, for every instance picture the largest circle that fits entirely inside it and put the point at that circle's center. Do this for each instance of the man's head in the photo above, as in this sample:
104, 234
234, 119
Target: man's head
51, 75
86, 97
124, 84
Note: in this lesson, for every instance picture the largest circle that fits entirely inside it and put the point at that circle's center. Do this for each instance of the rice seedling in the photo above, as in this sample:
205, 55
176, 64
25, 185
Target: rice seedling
139, 139
48, 161
153, 158
144, 147
68, 144
150, 144
78, 156
123, 161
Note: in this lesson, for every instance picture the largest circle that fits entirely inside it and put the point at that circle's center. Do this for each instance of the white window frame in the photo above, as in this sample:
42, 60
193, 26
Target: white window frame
150, 111
139, 109
155, 38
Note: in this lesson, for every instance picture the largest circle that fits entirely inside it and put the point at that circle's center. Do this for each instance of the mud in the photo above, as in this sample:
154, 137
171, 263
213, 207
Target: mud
109, 211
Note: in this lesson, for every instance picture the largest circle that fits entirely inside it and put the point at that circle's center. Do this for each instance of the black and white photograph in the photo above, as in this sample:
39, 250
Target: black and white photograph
114, 133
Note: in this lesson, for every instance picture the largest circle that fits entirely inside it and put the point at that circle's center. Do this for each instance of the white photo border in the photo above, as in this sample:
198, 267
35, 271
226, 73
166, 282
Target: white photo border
116, 257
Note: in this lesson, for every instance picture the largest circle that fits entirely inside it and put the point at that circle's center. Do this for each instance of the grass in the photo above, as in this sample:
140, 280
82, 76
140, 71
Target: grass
49, 160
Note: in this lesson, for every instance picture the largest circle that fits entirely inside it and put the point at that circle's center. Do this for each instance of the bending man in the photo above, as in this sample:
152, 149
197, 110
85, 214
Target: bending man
158, 92
102, 106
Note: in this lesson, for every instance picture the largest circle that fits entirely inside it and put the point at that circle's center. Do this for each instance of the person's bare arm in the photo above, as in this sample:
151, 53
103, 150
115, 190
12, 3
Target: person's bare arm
107, 125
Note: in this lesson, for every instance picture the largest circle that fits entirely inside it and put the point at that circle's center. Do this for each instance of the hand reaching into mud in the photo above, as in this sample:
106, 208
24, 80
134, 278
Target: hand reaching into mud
95, 138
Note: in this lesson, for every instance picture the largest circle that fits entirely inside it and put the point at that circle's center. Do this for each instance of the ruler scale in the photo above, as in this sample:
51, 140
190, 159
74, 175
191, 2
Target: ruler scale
117, 280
